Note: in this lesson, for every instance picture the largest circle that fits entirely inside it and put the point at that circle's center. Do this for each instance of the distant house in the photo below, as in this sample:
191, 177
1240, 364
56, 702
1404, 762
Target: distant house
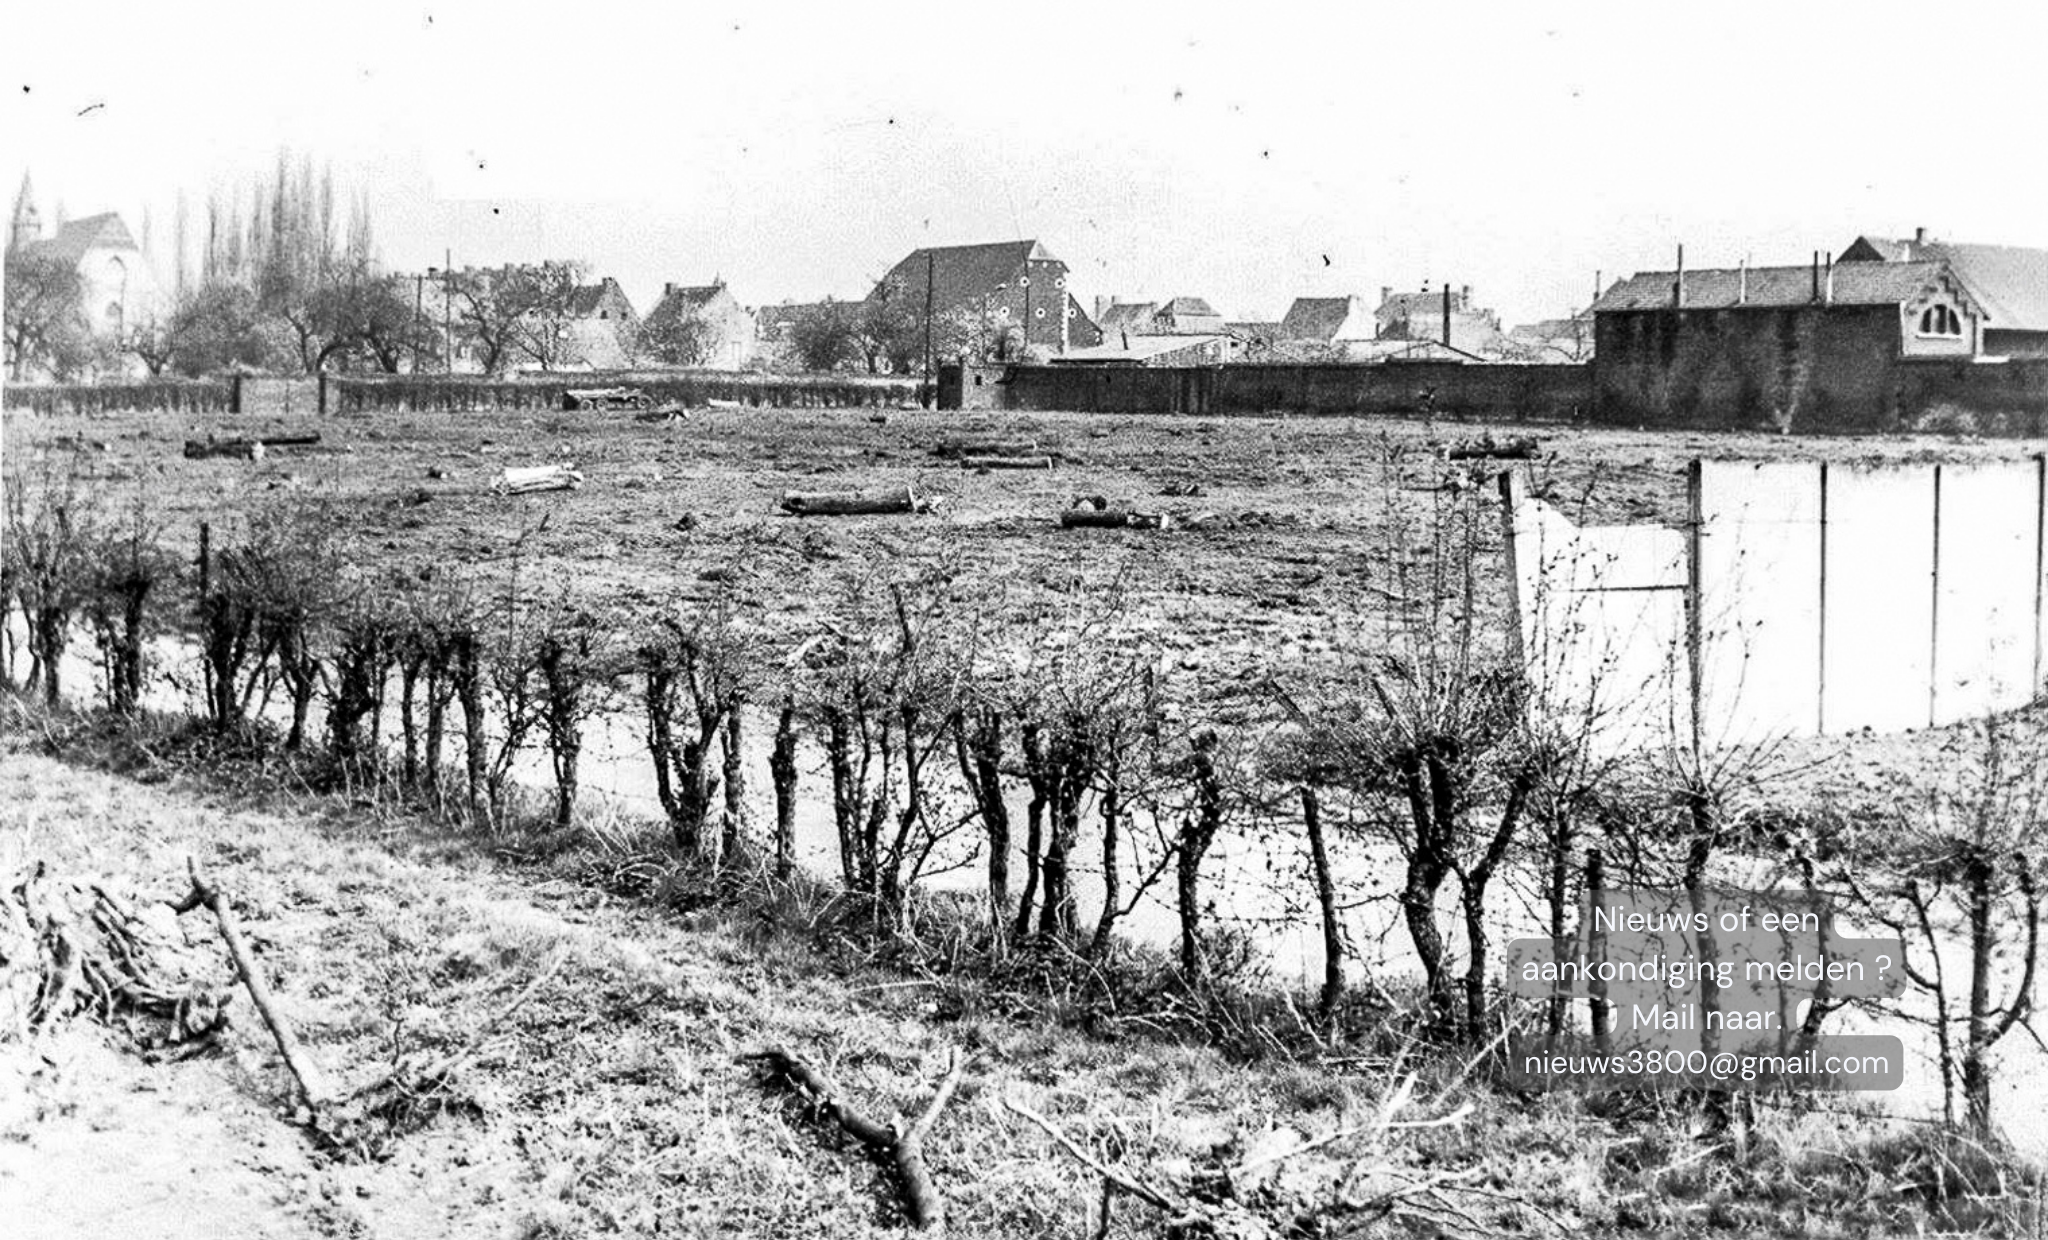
1327, 320
1447, 316
1817, 347
728, 327
1012, 289
1178, 316
1555, 340
116, 287
1159, 350
2008, 282
602, 326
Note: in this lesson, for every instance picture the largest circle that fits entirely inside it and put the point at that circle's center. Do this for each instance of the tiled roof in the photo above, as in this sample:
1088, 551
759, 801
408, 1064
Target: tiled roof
1141, 349
961, 274
1855, 284
2009, 282
589, 298
76, 237
1316, 318
1191, 307
1134, 317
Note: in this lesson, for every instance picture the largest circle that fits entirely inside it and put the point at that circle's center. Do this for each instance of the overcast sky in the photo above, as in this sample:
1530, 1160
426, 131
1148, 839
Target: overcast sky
1247, 153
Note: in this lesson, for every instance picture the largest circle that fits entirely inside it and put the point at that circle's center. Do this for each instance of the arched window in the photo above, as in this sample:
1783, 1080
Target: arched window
1941, 320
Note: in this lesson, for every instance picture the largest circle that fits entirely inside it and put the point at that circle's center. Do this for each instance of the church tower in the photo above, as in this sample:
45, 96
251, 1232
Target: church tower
28, 222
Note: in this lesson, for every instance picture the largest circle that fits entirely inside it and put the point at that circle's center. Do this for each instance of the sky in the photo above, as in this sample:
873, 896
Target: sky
1245, 153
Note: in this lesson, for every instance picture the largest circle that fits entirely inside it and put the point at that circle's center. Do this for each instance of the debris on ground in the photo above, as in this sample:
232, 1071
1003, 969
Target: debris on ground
982, 464
606, 398
249, 449
854, 503
1521, 448
1096, 512
534, 478
77, 946
985, 447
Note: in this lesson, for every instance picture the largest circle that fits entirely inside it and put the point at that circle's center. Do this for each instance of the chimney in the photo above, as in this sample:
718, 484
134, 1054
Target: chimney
1447, 316
1678, 285
667, 287
1816, 275
1919, 236
1464, 297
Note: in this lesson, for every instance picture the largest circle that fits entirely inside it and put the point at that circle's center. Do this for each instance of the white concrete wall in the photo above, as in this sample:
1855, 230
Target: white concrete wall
1828, 598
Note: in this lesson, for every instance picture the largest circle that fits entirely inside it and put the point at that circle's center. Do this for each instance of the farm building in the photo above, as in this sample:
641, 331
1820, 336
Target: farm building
2009, 284
1002, 285
1816, 348
602, 324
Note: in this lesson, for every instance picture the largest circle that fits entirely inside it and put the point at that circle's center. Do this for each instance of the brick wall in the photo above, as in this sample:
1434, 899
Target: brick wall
1548, 393
1801, 368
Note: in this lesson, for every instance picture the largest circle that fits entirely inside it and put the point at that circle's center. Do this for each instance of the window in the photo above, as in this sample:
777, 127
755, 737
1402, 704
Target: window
1941, 320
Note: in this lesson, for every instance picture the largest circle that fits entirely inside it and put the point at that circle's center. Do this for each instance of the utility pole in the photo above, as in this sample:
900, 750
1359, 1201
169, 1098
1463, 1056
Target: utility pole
928, 262
419, 294
448, 311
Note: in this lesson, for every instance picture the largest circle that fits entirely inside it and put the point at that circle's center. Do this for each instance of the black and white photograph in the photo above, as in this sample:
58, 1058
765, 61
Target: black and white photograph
1191, 621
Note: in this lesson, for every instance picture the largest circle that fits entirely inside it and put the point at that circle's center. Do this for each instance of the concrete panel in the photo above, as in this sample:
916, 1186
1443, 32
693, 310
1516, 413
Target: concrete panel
1988, 585
1759, 600
1602, 622
1878, 669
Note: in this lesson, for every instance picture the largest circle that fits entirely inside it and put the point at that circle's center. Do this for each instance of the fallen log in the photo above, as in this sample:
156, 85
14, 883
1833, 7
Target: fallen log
667, 413
248, 449
1522, 449
1005, 462
715, 403
985, 447
1094, 512
529, 479
900, 1145
311, 1081
854, 503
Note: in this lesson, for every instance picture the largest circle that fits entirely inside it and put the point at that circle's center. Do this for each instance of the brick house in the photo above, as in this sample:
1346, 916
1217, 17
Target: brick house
1010, 288
1784, 348
2009, 283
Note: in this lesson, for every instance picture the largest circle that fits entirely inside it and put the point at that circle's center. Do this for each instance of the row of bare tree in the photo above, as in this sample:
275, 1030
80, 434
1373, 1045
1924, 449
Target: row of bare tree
947, 733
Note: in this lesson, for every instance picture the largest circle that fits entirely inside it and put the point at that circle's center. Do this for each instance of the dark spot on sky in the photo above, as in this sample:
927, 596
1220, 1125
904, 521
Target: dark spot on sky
1265, 154
1176, 94
1326, 260
494, 211
24, 88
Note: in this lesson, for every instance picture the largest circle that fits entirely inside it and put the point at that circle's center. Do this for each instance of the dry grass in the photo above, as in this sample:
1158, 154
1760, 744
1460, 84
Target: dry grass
614, 1102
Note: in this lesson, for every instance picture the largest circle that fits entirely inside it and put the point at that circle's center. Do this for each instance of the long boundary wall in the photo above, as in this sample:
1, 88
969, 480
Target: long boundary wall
1520, 393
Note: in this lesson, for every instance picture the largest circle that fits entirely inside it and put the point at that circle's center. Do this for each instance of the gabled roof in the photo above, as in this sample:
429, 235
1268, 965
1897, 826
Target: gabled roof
1134, 317
76, 238
1140, 350
1317, 318
688, 298
1855, 284
2009, 282
1191, 307
961, 273
588, 298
